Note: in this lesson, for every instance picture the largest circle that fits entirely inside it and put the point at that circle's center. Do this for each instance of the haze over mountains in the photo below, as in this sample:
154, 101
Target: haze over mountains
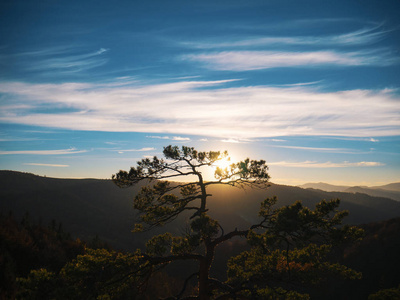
90, 207
391, 190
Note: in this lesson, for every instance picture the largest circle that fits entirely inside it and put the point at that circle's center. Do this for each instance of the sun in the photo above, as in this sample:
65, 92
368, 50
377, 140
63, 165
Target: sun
223, 163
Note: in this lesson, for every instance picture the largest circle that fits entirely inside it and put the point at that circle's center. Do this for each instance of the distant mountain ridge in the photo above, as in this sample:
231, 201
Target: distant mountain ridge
391, 191
324, 187
90, 207
390, 187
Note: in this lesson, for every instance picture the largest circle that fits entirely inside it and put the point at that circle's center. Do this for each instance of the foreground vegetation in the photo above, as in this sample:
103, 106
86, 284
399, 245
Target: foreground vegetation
44, 262
40, 276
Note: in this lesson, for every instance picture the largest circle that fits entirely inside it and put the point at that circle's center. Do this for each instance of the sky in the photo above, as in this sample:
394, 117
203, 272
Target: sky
90, 87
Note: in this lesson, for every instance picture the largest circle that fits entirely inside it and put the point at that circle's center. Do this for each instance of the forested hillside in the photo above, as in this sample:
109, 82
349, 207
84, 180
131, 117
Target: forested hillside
26, 245
90, 207
376, 256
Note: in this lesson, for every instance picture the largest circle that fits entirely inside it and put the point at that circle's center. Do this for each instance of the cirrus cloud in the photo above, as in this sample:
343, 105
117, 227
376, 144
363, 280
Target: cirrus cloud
46, 165
314, 164
44, 152
363, 36
136, 150
205, 108
257, 60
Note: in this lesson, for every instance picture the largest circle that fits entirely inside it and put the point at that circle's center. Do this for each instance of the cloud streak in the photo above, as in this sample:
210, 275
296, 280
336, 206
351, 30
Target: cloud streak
71, 63
174, 138
258, 60
136, 150
57, 59
318, 149
44, 152
46, 165
314, 164
206, 108
363, 36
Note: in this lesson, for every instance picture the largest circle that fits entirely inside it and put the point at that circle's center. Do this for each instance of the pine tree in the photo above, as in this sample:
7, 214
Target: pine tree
289, 245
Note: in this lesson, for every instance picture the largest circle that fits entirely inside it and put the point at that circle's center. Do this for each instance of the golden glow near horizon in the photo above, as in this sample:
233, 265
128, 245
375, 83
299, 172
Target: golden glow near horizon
224, 162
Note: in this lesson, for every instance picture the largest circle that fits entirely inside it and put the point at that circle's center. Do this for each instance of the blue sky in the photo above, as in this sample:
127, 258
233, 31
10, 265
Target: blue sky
89, 87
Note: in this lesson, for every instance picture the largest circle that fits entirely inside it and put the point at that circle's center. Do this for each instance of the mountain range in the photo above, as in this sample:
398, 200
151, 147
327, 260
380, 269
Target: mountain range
91, 207
391, 190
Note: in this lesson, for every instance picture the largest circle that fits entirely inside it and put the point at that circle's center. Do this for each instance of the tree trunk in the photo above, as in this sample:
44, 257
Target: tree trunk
203, 281
204, 272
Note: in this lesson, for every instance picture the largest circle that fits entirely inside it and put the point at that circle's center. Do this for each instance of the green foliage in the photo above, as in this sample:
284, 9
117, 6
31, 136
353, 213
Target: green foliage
183, 244
201, 229
258, 270
279, 294
291, 246
205, 227
40, 284
386, 294
159, 244
97, 274
102, 274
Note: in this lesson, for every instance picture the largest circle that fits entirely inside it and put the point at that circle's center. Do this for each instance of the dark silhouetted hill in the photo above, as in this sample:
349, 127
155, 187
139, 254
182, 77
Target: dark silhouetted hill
90, 207
84, 206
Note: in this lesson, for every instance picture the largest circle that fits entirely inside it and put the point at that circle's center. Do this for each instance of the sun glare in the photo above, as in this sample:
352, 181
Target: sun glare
224, 163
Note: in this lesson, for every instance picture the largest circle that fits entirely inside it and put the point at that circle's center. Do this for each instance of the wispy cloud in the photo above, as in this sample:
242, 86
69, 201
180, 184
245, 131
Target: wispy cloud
180, 138
15, 139
174, 138
270, 51
204, 108
57, 59
363, 36
49, 51
275, 140
111, 143
44, 152
233, 141
230, 141
257, 60
72, 63
46, 165
361, 139
317, 149
314, 164
158, 137
135, 150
